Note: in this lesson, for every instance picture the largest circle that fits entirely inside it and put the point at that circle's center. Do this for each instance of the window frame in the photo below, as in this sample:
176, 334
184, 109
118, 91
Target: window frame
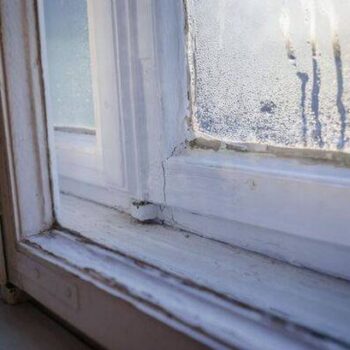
80, 297
95, 161
44, 267
196, 181
159, 165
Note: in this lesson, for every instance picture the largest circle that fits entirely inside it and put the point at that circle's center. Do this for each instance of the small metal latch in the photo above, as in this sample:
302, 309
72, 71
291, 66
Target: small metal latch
144, 211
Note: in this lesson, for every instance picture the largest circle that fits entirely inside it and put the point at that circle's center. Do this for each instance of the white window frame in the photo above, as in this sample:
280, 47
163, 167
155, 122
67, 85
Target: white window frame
49, 262
93, 163
269, 204
281, 204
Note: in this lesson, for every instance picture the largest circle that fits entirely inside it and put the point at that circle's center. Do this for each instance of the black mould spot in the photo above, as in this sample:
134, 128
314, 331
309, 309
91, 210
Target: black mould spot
267, 107
290, 53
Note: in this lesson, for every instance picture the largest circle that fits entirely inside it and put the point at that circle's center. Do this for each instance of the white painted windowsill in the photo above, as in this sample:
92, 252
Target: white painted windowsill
204, 288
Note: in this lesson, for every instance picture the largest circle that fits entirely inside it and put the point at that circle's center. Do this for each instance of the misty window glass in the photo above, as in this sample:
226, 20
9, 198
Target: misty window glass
271, 72
68, 63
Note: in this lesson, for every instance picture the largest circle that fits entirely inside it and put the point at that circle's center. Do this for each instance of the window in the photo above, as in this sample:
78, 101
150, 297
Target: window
69, 64
265, 159
271, 73
253, 138
78, 53
122, 103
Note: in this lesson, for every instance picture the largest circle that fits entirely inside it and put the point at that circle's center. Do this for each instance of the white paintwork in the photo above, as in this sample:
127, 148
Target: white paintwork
307, 298
23, 121
106, 87
27, 207
144, 211
100, 164
228, 323
150, 113
82, 173
78, 158
293, 197
118, 300
316, 255
47, 103
108, 315
307, 200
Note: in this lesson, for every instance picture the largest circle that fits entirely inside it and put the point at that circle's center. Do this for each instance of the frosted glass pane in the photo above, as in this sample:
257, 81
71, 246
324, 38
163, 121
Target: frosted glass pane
273, 72
68, 56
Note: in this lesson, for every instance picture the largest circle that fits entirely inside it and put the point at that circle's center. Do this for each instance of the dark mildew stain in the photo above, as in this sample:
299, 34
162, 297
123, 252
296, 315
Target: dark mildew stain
304, 78
340, 90
316, 76
290, 52
267, 107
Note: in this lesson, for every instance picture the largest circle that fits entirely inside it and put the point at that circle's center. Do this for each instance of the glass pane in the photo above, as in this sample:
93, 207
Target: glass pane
272, 72
68, 61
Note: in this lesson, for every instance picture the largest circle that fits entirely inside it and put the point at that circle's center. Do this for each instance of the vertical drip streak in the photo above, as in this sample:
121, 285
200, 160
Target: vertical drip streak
304, 78
315, 95
340, 90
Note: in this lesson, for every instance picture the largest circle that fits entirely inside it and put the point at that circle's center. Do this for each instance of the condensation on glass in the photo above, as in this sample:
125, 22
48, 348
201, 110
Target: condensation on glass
273, 72
68, 63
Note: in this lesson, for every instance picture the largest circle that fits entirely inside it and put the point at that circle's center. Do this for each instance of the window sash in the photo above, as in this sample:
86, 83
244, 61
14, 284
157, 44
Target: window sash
46, 264
262, 195
158, 166
294, 200
101, 163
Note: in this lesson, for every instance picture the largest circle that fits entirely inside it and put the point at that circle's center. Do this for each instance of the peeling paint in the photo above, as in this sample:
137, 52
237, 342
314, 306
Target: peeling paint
91, 267
313, 155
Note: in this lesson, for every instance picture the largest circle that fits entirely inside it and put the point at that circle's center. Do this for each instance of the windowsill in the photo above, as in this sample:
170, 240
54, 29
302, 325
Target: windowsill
226, 293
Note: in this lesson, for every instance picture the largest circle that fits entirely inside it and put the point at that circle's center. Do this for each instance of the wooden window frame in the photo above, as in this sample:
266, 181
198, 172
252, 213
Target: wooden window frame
269, 203
92, 163
87, 284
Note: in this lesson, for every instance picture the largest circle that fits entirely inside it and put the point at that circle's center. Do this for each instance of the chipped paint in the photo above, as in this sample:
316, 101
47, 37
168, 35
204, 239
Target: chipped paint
313, 155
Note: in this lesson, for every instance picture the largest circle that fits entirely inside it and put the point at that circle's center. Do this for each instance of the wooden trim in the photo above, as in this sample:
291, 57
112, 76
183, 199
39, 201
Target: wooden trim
221, 269
274, 201
118, 300
3, 271
103, 312
60, 265
293, 198
24, 121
